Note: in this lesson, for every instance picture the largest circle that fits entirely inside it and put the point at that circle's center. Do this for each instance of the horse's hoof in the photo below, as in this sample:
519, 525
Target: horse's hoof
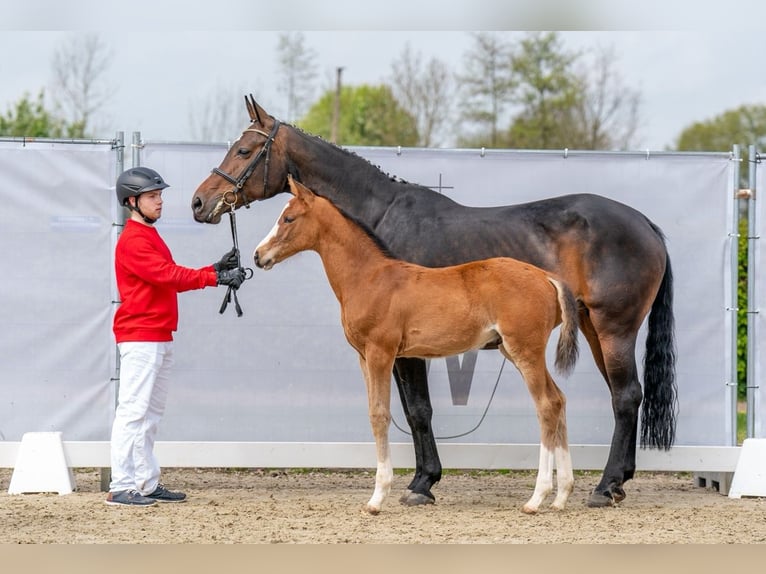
371, 510
618, 494
416, 499
403, 497
528, 510
600, 500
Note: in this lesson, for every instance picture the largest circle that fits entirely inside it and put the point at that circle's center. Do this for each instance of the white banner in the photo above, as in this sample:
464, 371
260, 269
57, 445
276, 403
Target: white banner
56, 344
284, 371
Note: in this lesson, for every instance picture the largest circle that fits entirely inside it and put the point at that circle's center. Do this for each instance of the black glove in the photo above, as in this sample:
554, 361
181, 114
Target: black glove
231, 277
228, 261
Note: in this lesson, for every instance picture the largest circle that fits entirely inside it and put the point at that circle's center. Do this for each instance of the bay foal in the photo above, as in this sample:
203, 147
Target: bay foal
391, 308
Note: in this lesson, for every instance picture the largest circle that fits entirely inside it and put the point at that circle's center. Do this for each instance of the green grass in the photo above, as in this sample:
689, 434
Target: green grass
741, 427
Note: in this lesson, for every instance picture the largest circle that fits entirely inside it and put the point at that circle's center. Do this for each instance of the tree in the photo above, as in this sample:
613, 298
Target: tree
609, 111
298, 72
29, 118
220, 116
370, 115
486, 84
548, 92
745, 125
425, 90
79, 68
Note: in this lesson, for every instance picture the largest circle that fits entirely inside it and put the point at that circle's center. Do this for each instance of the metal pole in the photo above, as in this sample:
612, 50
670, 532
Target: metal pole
336, 108
118, 214
734, 307
753, 236
136, 149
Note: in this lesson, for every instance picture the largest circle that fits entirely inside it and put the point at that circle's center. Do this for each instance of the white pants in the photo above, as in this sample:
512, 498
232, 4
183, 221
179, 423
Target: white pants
144, 381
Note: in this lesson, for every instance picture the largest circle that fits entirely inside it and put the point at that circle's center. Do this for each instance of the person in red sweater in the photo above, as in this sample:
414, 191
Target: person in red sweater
148, 281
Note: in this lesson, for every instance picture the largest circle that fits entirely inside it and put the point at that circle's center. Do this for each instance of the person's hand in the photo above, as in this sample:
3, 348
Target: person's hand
228, 261
231, 277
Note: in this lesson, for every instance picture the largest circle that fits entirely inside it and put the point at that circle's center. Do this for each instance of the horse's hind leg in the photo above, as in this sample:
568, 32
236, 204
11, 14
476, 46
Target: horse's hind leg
412, 383
615, 357
550, 405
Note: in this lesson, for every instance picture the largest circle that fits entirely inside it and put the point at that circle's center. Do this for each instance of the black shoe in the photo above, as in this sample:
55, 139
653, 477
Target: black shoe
128, 498
162, 494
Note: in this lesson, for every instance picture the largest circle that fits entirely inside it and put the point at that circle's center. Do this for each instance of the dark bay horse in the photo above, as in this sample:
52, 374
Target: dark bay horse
612, 257
391, 308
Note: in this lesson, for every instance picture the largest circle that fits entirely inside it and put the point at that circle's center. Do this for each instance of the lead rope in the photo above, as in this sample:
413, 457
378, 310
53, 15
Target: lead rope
231, 292
481, 420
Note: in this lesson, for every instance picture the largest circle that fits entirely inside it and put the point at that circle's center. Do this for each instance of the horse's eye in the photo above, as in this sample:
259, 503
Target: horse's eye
243, 151
288, 219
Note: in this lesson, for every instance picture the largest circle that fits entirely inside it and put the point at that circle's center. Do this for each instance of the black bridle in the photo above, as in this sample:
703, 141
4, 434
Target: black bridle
238, 184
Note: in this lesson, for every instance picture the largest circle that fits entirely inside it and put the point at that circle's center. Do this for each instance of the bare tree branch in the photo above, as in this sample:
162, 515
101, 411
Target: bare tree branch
79, 69
425, 90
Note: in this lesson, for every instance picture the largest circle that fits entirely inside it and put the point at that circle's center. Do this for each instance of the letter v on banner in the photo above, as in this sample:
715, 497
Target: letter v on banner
461, 376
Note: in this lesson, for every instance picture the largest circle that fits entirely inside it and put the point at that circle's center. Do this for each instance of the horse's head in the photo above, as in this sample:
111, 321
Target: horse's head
295, 230
250, 170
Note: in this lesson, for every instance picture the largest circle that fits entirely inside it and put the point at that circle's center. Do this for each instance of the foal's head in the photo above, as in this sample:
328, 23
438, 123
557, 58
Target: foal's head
294, 230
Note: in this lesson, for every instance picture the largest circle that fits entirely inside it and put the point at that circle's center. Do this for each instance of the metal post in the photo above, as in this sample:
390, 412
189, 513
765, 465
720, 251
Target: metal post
335, 127
136, 149
734, 307
753, 235
118, 214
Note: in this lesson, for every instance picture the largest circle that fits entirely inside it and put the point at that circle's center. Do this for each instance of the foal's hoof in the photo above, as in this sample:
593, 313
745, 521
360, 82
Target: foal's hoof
411, 498
618, 494
600, 500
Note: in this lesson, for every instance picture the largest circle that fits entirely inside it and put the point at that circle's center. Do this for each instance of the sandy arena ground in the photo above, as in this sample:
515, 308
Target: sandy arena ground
319, 506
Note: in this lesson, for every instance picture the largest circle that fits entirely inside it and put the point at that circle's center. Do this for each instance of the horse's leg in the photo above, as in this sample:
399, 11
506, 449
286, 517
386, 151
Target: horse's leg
550, 406
377, 375
412, 382
615, 357
564, 471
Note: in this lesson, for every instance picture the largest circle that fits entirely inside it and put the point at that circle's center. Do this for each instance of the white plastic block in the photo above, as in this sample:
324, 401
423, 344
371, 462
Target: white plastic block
41, 465
750, 474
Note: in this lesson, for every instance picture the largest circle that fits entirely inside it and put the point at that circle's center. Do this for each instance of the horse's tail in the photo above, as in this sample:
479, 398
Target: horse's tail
659, 408
567, 347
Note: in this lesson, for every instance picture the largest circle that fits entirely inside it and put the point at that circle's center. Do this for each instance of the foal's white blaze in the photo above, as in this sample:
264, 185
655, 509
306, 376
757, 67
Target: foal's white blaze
271, 234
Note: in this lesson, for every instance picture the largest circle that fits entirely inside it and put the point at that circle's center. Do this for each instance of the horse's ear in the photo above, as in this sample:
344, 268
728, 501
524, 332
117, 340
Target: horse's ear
254, 110
299, 190
251, 111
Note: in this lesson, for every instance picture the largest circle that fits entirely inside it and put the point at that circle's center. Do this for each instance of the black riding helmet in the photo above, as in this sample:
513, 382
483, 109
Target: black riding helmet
135, 181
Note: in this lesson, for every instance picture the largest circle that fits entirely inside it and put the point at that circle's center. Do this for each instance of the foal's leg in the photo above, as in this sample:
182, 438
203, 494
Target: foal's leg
550, 405
377, 375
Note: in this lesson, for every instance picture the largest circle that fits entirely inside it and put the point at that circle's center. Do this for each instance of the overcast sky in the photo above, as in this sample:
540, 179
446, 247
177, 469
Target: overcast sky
690, 60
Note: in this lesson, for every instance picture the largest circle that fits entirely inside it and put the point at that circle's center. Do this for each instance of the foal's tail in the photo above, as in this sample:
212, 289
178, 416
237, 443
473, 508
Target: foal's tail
566, 349
659, 407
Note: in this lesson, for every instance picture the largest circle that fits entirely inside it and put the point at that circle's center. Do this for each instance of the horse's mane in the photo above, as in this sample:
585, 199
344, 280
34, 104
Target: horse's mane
379, 243
346, 151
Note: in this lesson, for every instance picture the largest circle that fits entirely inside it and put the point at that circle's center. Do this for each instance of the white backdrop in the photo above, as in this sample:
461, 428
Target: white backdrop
283, 371
56, 344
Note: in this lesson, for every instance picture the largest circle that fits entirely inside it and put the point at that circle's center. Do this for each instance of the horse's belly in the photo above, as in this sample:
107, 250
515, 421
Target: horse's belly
429, 345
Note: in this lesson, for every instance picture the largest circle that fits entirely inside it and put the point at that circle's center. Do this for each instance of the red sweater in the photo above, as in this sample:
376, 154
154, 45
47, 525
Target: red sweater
148, 281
